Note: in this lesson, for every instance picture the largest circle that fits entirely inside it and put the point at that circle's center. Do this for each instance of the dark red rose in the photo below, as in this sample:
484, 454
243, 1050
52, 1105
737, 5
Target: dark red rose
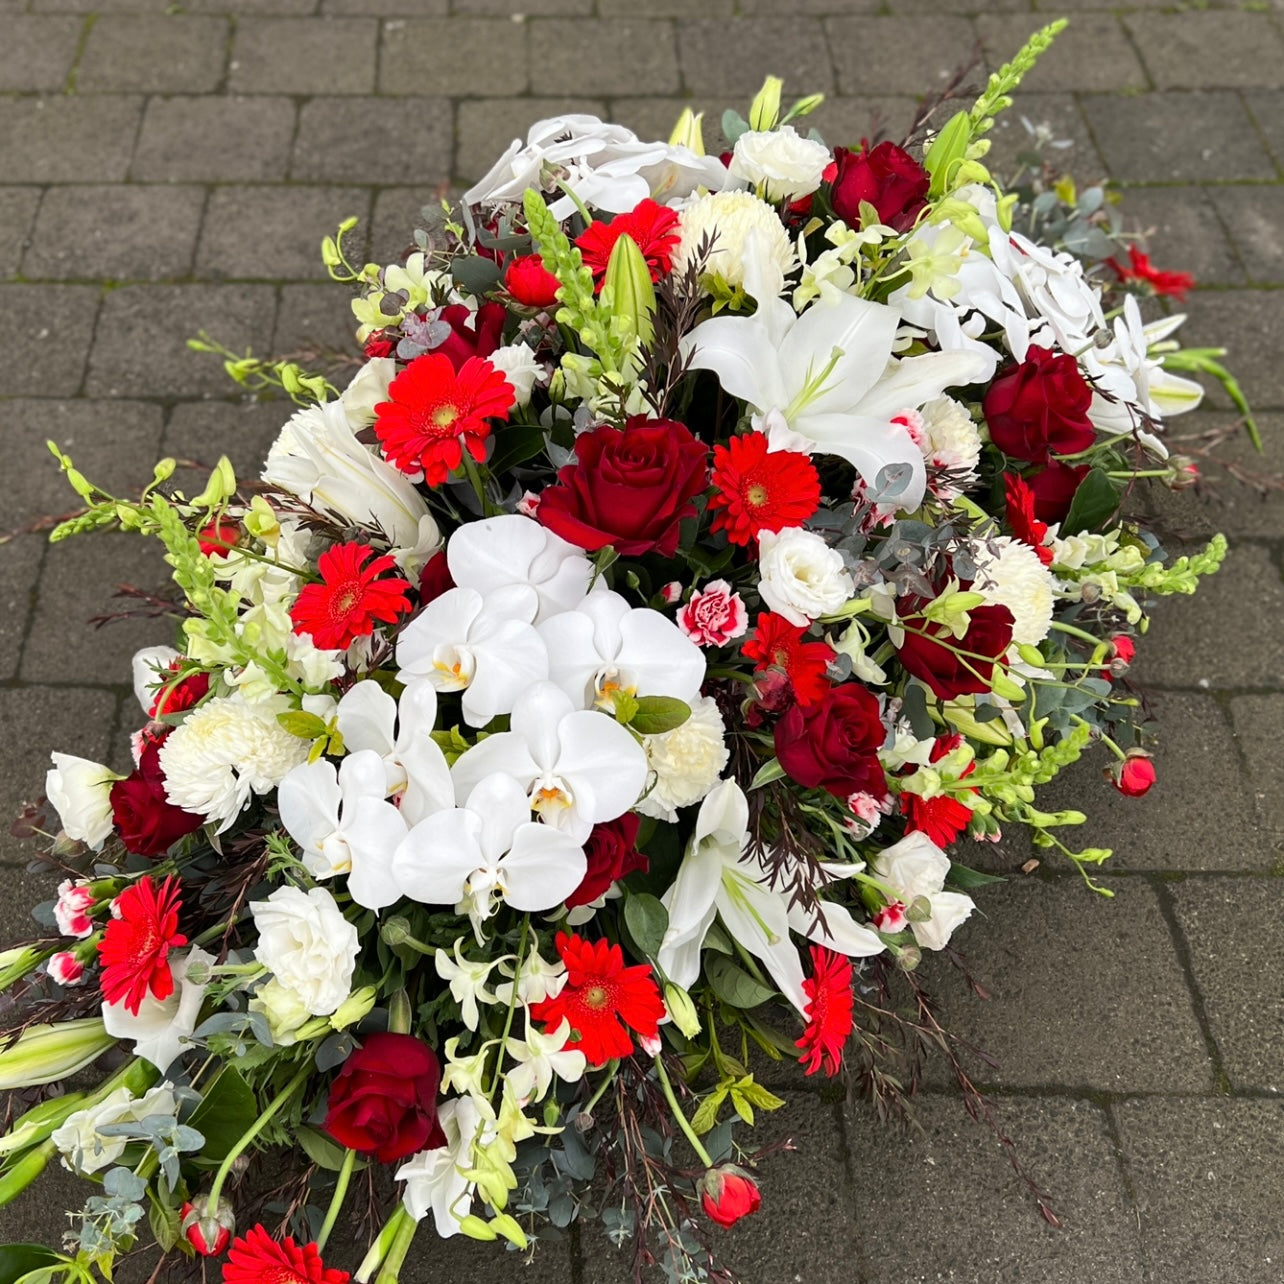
472, 334
435, 579
887, 177
834, 745
630, 488
612, 853
148, 824
728, 1193
1039, 407
948, 673
530, 282
379, 345
384, 1100
181, 696
1054, 488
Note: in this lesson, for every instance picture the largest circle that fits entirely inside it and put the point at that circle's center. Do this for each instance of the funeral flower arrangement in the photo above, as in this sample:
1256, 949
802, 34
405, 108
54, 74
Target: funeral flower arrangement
580, 707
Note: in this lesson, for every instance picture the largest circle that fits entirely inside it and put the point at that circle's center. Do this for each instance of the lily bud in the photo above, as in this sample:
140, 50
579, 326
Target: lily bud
629, 287
19, 1176
207, 1230
40, 1122
728, 1193
688, 133
764, 111
476, 1228
47, 1053
355, 1007
681, 1009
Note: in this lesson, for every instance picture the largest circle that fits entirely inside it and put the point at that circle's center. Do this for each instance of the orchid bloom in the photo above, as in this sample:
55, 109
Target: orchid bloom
576, 767
540, 1057
604, 645
826, 382
467, 980
719, 878
436, 1180
344, 824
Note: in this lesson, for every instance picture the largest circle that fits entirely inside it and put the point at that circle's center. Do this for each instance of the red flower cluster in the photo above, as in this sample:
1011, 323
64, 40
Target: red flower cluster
777, 643
1039, 407
256, 1258
351, 597
654, 228
135, 947
943, 817
1022, 519
829, 1011
1140, 268
759, 490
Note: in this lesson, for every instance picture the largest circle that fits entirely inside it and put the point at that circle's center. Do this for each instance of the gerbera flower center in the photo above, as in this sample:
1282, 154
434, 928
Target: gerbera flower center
345, 599
756, 495
595, 996
445, 415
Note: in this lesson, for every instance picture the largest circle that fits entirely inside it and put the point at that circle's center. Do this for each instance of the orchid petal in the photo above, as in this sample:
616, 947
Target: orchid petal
366, 717
503, 805
434, 861
373, 832
543, 867
510, 656
308, 801
505, 753
602, 756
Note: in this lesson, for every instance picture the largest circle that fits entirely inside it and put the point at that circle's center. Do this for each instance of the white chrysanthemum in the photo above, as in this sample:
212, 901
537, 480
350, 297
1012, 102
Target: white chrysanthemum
686, 762
728, 220
950, 436
224, 751
1013, 576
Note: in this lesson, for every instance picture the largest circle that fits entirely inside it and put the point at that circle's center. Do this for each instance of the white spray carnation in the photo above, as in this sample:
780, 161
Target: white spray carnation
685, 762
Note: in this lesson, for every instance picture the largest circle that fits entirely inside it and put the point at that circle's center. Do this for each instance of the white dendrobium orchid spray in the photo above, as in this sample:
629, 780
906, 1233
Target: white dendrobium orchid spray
915, 869
162, 1029
467, 980
605, 645
575, 767
540, 1058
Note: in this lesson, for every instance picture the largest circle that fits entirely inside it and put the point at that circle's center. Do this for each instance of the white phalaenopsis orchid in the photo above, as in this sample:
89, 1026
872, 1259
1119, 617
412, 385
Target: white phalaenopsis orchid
417, 776
344, 824
719, 877
604, 645
575, 767
475, 856
463, 641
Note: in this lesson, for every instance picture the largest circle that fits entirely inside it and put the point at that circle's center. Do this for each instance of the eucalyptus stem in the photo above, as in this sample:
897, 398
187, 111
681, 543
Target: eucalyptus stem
336, 1200
690, 1133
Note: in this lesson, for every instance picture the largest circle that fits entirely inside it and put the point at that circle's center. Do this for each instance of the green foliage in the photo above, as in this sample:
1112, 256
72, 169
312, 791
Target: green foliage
997, 95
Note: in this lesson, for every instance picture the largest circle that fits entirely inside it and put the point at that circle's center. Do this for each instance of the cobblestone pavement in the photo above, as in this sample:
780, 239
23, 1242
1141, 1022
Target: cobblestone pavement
171, 167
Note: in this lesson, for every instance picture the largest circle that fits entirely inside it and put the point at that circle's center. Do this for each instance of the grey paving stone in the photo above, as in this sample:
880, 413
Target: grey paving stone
446, 1261
387, 8
1127, 1026
1208, 50
38, 1215
1245, 323
17, 210
303, 56
859, 48
1251, 716
1010, 139
117, 233
213, 139
733, 58
564, 52
945, 1204
363, 140
1267, 109
1183, 232
38, 51
769, 9
484, 129
397, 212
1205, 1173
312, 317
166, 54
843, 122
38, 720
453, 56
1092, 53
20, 559
112, 443
45, 332
1232, 927
662, 8
274, 232
1255, 216
201, 431
67, 140
141, 345
1176, 137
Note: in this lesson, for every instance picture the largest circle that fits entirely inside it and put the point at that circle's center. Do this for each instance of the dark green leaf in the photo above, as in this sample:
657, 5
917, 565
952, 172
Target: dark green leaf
322, 1150
647, 921
732, 984
657, 714
1094, 504
225, 1113
164, 1222
476, 274
515, 445
17, 1259
965, 879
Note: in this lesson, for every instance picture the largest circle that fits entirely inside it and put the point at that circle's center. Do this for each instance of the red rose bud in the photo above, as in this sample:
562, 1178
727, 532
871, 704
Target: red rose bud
728, 1193
1039, 407
435, 578
530, 282
1183, 473
208, 1233
1135, 774
218, 538
888, 178
1054, 488
1122, 651
379, 345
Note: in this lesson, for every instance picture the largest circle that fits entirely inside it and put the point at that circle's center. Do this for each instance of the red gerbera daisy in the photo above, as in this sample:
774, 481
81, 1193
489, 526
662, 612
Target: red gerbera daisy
256, 1258
1140, 268
829, 1012
432, 414
776, 642
1021, 519
757, 490
350, 598
654, 227
600, 998
135, 947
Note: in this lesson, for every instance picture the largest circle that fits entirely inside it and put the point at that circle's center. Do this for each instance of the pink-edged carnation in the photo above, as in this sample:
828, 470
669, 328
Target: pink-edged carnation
71, 909
829, 1011
351, 598
66, 969
136, 944
890, 919
714, 616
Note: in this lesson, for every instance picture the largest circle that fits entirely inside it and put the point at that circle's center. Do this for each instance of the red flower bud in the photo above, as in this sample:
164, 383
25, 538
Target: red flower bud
530, 282
1135, 774
218, 537
208, 1233
728, 1193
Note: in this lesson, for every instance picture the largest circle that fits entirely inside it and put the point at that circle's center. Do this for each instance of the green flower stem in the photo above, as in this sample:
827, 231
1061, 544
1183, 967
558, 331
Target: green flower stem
690, 1133
390, 1271
383, 1243
254, 1129
612, 1067
1074, 632
1113, 747
512, 1005
336, 1201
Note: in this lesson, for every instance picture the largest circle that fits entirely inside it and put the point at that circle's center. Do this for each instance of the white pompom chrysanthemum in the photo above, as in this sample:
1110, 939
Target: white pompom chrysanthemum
224, 751
727, 220
951, 439
1009, 573
686, 762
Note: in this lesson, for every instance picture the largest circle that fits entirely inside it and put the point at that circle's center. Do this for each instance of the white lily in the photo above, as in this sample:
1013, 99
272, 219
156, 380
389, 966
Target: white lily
435, 1179
162, 1028
540, 1057
605, 645
575, 767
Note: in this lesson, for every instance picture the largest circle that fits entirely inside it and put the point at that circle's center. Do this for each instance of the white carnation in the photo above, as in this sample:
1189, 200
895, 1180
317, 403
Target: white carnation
80, 790
801, 577
1009, 573
517, 363
950, 437
307, 945
84, 1150
226, 750
783, 164
729, 221
685, 762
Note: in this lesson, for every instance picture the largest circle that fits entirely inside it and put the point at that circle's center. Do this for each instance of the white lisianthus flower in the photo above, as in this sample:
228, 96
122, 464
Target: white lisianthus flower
801, 577
517, 363
285, 1011
739, 227
225, 751
81, 792
781, 162
368, 388
84, 1150
308, 945
1009, 573
915, 869
162, 1028
685, 762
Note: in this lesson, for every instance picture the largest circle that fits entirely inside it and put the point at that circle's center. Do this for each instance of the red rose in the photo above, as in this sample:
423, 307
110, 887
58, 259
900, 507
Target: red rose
834, 745
887, 177
1039, 407
471, 334
435, 578
629, 488
948, 673
1054, 488
379, 345
728, 1193
612, 853
530, 282
384, 1100
182, 695
1135, 774
147, 822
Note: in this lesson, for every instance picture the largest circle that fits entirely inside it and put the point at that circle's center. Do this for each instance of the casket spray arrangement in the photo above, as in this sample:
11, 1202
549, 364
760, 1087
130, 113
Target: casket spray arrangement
582, 704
